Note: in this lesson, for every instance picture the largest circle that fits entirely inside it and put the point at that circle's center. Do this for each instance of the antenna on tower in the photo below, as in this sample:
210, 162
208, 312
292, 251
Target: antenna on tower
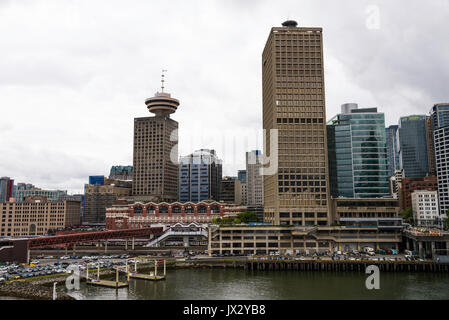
163, 79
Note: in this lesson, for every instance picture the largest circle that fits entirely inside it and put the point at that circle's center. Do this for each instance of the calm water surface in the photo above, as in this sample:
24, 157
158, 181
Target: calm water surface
211, 284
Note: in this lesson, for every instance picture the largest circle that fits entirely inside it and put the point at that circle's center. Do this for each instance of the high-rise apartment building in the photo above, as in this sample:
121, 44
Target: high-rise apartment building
6, 189
155, 168
294, 105
440, 132
392, 149
358, 154
414, 146
200, 176
254, 179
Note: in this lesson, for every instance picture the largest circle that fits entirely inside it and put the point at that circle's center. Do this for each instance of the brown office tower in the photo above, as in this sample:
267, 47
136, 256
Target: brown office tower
155, 175
432, 170
293, 103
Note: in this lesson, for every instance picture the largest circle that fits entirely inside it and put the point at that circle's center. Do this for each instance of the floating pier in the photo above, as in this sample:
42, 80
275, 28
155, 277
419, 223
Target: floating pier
152, 276
105, 283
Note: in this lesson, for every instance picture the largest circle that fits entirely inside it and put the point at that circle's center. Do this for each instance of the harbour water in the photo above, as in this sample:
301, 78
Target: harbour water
230, 284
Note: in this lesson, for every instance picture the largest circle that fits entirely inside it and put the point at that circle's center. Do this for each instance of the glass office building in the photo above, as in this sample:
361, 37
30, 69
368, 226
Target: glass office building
241, 175
6, 189
392, 149
414, 146
51, 195
200, 176
357, 153
96, 180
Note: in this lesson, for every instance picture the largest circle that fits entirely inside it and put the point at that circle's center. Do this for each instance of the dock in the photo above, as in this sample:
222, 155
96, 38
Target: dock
153, 276
107, 283
143, 276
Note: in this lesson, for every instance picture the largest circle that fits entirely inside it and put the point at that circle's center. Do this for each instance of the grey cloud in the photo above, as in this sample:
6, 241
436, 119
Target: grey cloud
72, 82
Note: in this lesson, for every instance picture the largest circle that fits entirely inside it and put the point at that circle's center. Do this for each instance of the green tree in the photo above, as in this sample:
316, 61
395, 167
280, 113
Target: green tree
407, 215
247, 216
217, 220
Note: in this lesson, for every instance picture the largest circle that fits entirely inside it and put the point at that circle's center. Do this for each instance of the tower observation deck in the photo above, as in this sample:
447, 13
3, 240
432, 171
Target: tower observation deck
162, 104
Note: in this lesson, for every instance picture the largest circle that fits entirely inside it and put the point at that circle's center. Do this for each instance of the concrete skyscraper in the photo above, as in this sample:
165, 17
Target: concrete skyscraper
254, 183
155, 171
254, 179
294, 104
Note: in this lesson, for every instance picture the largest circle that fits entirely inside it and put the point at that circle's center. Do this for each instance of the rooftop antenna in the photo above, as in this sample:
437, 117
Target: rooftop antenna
162, 79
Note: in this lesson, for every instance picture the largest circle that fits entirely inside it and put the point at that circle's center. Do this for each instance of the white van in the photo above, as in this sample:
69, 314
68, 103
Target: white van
369, 251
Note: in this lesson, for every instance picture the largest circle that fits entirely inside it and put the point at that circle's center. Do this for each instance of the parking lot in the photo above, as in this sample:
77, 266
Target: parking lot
48, 265
51, 265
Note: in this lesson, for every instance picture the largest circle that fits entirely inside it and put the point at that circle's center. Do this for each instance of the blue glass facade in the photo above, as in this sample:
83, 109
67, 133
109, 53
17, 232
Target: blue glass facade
241, 175
413, 148
358, 162
200, 177
440, 116
392, 149
96, 180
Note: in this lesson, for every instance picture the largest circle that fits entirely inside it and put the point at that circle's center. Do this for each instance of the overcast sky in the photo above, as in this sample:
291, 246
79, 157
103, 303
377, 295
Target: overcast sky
74, 74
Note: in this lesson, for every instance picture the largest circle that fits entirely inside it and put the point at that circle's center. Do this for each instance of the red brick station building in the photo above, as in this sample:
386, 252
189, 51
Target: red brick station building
142, 215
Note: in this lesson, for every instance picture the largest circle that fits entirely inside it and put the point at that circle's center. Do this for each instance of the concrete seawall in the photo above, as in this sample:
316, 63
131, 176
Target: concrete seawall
312, 265
344, 266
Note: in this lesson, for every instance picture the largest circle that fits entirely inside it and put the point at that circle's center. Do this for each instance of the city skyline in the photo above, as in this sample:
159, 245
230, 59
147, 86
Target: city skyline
89, 90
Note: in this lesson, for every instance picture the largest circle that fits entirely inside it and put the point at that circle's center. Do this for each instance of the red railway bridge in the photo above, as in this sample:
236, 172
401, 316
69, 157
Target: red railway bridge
76, 238
18, 250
